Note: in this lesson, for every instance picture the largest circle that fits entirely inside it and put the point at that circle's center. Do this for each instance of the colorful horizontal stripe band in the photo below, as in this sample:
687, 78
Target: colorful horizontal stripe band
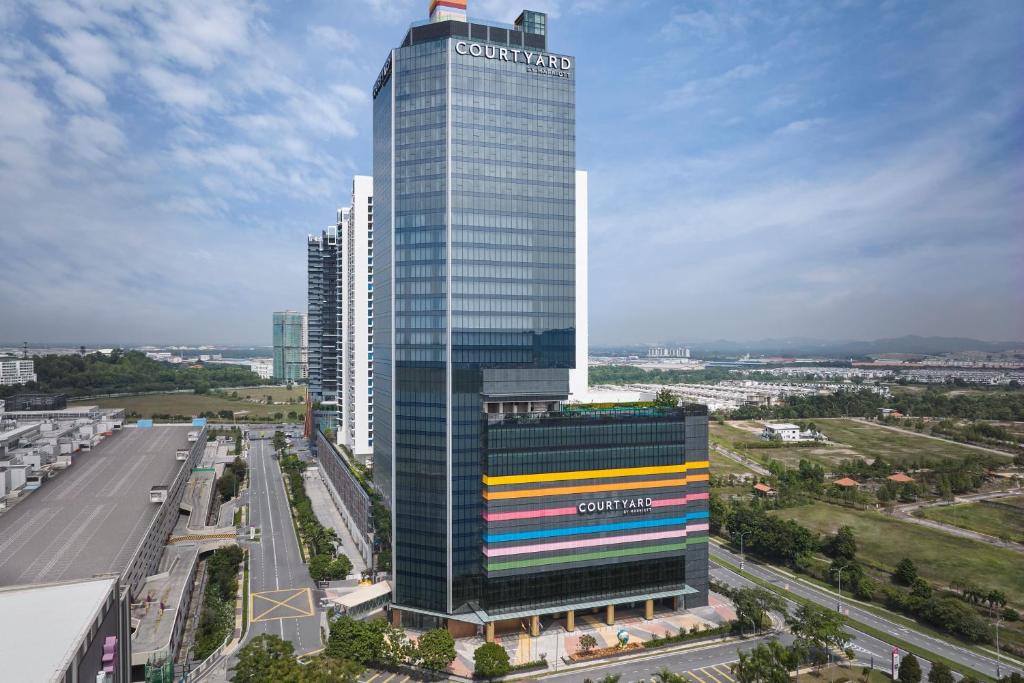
581, 530
583, 543
594, 474
566, 511
592, 488
599, 555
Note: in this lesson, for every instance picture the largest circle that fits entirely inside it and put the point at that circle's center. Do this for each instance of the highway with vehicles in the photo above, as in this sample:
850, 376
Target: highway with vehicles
282, 599
985, 664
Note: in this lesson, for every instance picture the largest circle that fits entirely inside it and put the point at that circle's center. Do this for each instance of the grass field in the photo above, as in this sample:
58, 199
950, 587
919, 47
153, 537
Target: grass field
278, 394
872, 441
723, 466
1015, 501
940, 557
1001, 521
189, 405
851, 439
841, 674
738, 436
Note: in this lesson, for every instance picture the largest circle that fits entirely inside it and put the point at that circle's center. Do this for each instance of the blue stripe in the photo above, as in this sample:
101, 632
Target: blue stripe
577, 530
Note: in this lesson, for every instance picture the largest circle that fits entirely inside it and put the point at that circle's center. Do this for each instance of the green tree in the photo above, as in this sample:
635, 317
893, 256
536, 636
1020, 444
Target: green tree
753, 605
396, 648
818, 629
324, 669
665, 399
842, 545
906, 572
586, 643
490, 660
358, 641
319, 567
227, 485
266, 659
767, 663
666, 676
940, 673
910, 670
436, 649
921, 589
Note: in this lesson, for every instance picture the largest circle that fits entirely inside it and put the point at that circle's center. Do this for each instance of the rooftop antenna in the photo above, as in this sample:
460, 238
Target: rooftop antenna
24, 349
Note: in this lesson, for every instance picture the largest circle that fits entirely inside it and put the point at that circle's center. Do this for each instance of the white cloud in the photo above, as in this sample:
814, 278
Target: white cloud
333, 38
78, 92
88, 54
92, 138
179, 89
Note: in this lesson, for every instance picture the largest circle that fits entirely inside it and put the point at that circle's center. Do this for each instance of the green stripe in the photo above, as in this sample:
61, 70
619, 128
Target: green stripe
599, 555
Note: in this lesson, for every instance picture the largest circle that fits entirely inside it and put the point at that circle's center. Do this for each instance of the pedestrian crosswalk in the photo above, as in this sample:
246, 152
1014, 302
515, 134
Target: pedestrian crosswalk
717, 673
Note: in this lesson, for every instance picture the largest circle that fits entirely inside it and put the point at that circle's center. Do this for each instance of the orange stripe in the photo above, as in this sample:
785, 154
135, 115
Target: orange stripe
592, 488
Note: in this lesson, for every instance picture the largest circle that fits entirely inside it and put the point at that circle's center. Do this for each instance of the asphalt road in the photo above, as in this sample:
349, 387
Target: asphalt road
282, 594
864, 643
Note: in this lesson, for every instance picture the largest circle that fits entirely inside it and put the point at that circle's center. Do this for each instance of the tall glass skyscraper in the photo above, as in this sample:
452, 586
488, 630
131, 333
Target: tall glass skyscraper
475, 199
289, 346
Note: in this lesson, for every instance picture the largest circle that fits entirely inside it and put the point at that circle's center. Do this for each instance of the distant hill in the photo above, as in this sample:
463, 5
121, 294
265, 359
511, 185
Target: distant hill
802, 346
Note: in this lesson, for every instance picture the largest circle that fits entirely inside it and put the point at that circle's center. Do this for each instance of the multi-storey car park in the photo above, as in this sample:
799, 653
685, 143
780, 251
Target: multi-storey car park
108, 515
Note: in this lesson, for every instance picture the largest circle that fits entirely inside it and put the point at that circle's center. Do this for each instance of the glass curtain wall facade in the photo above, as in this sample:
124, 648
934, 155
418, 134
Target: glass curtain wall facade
474, 186
289, 339
586, 504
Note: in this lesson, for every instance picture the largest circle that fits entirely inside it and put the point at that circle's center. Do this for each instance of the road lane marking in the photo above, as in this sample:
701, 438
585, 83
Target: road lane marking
286, 601
707, 671
389, 678
693, 674
726, 673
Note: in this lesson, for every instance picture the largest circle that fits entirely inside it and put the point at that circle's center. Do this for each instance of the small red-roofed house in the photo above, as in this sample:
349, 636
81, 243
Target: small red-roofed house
846, 483
900, 478
763, 490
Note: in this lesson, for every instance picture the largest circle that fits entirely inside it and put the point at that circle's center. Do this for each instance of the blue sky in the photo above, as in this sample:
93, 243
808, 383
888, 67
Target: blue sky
831, 170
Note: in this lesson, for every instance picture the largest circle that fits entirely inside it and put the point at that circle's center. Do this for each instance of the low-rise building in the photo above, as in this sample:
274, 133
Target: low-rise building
782, 431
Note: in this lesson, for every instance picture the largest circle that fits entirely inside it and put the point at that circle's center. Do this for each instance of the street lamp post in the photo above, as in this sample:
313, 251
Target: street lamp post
742, 556
999, 656
839, 604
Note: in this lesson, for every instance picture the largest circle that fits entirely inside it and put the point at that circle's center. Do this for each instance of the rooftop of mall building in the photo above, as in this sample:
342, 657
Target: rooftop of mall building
90, 519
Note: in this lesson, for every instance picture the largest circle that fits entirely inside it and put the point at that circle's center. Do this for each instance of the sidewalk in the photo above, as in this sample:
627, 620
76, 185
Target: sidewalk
330, 517
555, 642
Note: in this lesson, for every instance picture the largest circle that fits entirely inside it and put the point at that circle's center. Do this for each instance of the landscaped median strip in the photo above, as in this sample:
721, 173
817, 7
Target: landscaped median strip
860, 626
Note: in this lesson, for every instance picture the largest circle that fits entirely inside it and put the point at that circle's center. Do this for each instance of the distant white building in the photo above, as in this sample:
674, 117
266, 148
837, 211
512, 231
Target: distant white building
781, 430
263, 367
579, 377
16, 370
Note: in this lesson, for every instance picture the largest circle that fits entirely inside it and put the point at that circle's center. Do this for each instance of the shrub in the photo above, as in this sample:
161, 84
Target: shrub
490, 660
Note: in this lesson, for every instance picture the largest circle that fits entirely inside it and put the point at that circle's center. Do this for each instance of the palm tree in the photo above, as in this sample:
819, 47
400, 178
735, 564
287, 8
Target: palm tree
666, 676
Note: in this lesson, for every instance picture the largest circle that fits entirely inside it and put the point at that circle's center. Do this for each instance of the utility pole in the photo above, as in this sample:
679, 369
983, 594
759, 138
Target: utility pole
839, 604
999, 656
742, 556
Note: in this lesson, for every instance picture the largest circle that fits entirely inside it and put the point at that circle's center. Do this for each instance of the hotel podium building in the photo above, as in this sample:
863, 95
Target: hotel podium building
508, 502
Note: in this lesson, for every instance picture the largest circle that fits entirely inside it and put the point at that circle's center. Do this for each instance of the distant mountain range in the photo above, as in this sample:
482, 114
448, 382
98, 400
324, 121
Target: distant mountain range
802, 346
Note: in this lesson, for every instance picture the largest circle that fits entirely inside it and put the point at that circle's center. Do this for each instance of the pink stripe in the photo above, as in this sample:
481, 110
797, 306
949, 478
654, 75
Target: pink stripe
558, 512
583, 543
526, 514
696, 527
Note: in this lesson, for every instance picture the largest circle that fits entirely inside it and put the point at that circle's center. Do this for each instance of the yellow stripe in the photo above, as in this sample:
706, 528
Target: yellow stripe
707, 672
726, 674
594, 474
592, 488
